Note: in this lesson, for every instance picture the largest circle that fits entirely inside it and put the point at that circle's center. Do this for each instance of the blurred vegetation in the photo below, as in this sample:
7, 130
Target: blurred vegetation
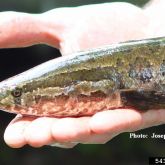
44, 5
120, 150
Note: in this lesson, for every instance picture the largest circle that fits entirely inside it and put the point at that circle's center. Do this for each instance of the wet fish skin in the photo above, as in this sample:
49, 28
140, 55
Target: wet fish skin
128, 74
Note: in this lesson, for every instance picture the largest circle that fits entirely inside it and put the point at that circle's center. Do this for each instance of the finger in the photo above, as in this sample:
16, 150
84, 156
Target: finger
77, 130
38, 132
22, 29
152, 118
115, 121
70, 129
14, 133
110, 125
124, 120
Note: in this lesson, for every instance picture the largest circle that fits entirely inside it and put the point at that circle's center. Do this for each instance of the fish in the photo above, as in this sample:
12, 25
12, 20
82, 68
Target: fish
129, 74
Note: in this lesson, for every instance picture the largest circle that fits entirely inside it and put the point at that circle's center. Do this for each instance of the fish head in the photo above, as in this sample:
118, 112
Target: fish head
10, 98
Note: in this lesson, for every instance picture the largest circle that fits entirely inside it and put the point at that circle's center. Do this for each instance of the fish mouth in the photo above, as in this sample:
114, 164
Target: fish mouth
2, 97
6, 100
1, 94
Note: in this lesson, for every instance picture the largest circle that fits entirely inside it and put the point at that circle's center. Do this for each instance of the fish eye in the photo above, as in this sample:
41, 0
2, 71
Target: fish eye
17, 92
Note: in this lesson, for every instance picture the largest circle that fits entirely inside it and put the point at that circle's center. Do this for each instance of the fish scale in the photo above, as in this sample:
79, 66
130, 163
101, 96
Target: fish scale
123, 75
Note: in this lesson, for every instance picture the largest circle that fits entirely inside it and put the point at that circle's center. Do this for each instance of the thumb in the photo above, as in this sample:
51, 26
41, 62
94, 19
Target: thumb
23, 29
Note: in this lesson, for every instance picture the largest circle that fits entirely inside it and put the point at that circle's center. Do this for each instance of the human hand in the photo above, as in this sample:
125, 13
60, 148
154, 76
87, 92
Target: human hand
71, 30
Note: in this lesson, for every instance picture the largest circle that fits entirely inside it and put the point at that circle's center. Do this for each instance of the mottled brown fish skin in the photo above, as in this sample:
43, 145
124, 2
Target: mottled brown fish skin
128, 74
